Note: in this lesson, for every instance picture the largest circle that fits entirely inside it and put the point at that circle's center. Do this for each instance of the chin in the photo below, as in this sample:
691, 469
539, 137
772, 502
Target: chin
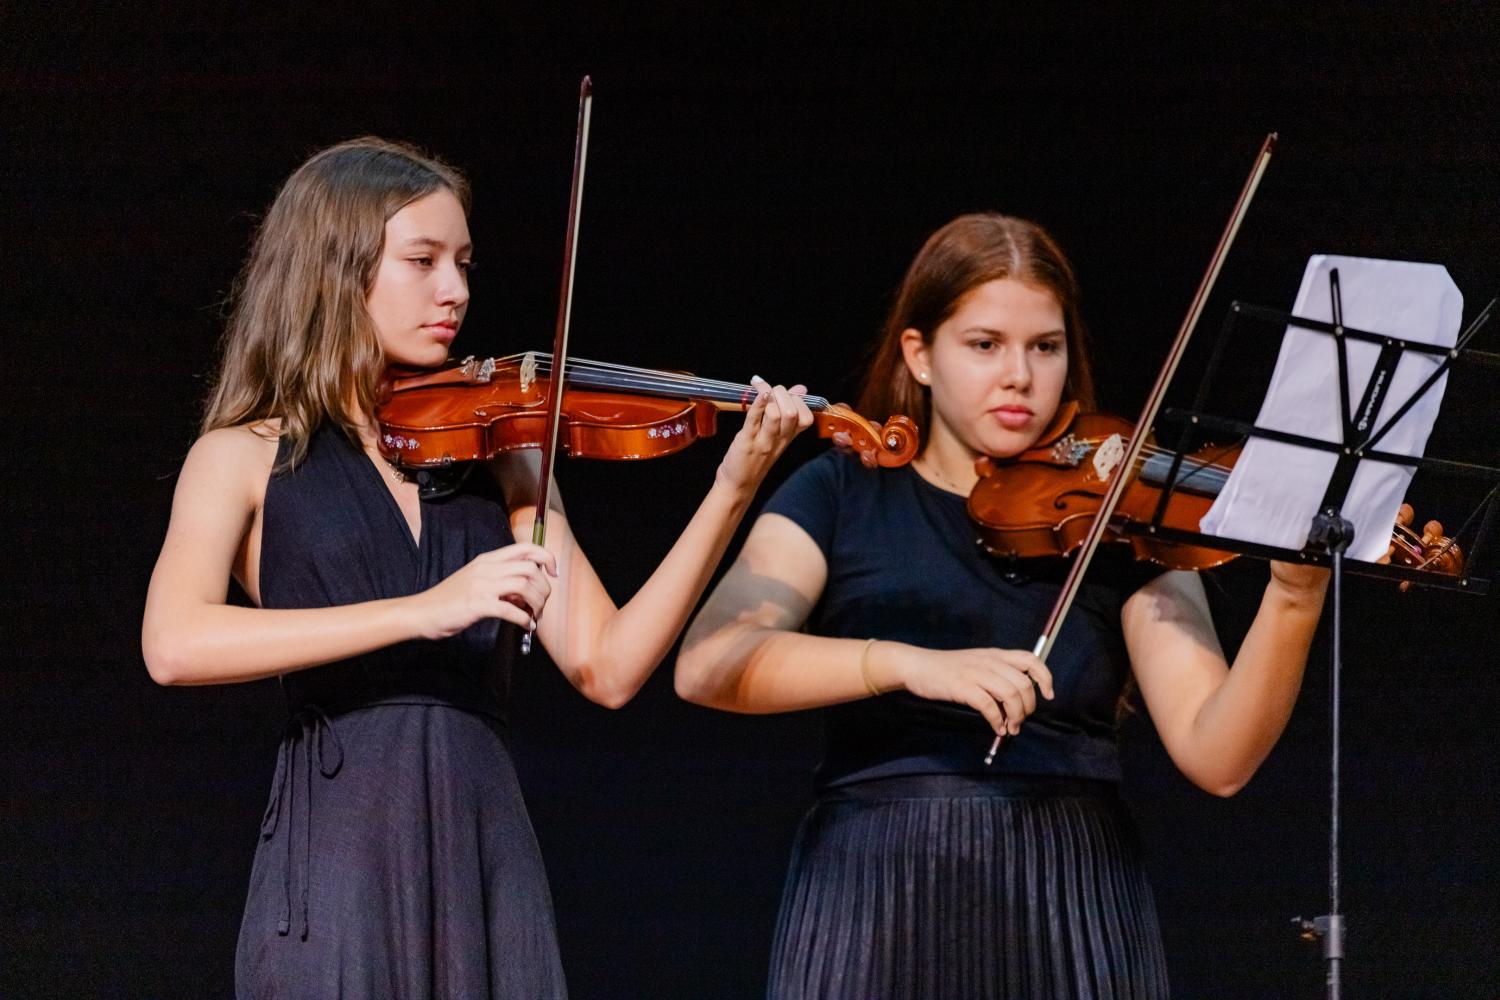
432, 357
1008, 444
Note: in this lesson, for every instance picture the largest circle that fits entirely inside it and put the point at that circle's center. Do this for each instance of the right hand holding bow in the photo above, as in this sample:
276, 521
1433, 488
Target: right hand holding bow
509, 583
1000, 684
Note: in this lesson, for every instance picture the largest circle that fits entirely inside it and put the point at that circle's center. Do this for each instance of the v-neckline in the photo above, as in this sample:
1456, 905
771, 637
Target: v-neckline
394, 505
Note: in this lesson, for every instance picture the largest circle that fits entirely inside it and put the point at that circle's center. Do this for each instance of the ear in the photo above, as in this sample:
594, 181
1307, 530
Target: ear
918, 355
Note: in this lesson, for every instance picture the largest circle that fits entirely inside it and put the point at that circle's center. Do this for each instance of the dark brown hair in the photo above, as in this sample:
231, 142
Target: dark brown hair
961, 256
299, 345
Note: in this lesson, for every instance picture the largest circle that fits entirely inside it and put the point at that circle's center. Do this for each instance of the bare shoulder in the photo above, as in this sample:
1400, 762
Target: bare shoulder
232, 460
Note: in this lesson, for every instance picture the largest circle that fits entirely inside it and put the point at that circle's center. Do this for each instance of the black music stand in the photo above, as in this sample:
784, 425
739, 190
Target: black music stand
1331, 533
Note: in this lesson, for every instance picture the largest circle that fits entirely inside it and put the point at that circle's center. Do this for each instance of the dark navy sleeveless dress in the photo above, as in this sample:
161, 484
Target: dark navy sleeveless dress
396, 858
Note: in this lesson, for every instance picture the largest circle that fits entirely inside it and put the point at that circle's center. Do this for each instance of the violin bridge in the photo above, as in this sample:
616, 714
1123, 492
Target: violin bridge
528, 370
1110, 453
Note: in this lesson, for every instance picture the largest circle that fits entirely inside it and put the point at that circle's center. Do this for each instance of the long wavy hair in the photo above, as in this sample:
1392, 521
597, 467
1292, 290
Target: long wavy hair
299, 345
961, 256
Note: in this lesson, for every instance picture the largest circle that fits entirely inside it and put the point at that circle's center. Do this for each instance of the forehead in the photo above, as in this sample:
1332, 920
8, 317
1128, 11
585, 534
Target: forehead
1006, 305
437, 216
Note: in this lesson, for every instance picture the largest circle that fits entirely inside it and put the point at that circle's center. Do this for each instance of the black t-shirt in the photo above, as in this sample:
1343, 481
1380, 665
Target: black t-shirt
903, 565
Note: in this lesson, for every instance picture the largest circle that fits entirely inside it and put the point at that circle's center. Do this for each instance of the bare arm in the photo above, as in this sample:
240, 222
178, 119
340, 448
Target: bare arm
608, 652
1219, 724
191, 636
743, 652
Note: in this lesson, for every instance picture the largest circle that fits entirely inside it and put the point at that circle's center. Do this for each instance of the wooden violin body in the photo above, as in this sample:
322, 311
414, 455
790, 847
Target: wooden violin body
1042, 502
480, 408
495, 407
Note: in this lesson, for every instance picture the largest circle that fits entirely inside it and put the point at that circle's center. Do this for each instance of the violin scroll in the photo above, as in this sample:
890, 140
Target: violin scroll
889, 446
1431, 550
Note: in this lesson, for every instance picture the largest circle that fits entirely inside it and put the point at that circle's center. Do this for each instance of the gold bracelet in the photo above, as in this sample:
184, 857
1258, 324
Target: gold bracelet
864, 669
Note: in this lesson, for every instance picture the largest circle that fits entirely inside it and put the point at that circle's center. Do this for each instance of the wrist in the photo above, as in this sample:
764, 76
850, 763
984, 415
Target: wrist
1305, 590
408, 616
880, 666
736, 493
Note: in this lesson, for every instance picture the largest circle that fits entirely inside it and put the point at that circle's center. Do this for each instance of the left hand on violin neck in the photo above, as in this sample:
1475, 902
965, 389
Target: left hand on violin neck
775, 417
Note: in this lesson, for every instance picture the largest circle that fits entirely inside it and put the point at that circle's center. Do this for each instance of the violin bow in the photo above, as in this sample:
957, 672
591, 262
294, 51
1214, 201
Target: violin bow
560, 336
1117, 483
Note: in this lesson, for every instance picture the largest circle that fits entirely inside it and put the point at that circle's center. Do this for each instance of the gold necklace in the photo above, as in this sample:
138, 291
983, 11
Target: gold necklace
937, 474
397, 473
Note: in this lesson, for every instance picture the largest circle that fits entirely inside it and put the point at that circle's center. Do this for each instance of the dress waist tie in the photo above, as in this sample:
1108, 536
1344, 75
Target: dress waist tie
310, 728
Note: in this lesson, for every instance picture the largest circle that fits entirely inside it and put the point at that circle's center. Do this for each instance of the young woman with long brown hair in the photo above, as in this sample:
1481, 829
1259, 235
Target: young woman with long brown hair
396, 858
921, 871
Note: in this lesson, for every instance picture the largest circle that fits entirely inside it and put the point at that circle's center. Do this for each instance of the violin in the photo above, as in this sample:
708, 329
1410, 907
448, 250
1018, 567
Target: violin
1043, 501
479, 408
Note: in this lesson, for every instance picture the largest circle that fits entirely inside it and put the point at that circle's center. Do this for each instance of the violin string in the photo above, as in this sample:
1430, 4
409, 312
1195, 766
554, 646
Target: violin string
546, 359
690, 388
645, 379
546, 364
1156, 451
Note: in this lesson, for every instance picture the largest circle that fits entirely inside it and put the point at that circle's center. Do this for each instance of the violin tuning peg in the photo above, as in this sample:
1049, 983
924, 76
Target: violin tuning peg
1432, 533
1406, 514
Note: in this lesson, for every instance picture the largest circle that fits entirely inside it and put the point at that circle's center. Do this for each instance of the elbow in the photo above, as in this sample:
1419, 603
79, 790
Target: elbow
165, 661
612, 698
688, 679
686, 684
1223, 786
1226, 789
607, 685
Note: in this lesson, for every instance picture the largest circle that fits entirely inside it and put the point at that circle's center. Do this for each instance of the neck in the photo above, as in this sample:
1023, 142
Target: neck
947, 462
369, 429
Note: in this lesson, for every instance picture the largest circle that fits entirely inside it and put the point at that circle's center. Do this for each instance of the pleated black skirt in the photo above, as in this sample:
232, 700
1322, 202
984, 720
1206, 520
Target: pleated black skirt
953, 887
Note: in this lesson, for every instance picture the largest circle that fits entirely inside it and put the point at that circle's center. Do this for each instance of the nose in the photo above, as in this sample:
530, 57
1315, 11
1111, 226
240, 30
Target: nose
1015, 368
453, 286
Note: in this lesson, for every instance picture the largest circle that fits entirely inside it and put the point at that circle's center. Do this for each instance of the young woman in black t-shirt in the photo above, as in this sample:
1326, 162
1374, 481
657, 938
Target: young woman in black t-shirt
921, 872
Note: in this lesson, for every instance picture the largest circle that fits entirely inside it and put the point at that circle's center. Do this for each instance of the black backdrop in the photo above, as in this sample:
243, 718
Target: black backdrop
757, 183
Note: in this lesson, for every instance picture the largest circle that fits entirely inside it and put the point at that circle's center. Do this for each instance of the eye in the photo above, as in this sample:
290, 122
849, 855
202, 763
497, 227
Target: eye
984, 345
421, 261
1049, 346
466, 266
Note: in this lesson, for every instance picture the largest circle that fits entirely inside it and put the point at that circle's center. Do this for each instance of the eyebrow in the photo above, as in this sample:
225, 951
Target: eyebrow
988, 331
428, 241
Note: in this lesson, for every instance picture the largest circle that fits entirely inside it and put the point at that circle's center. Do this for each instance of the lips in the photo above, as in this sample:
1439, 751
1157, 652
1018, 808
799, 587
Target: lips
1012, 417
442, 331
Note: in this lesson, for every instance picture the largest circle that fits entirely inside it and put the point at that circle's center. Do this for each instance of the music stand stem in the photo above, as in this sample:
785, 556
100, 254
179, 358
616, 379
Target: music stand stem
1333, 532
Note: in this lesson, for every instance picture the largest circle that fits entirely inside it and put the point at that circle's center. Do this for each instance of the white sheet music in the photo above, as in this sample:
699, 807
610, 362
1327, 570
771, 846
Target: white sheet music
1274, 490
